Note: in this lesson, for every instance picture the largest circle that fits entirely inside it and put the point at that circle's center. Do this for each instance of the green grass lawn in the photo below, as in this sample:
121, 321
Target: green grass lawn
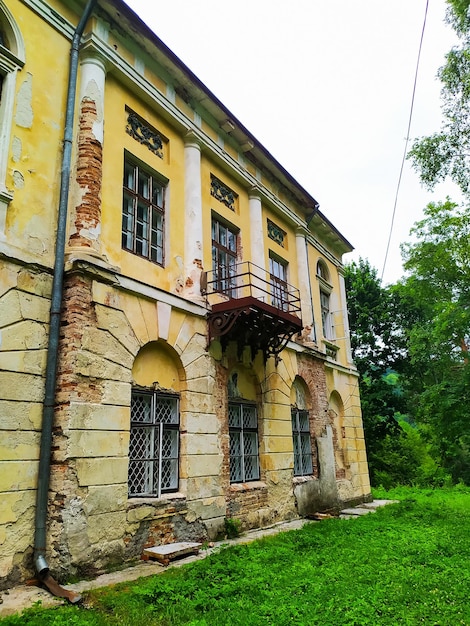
409, 563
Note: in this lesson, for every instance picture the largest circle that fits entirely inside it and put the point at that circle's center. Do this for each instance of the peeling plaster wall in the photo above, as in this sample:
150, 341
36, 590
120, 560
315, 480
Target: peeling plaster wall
24, 315
117, 303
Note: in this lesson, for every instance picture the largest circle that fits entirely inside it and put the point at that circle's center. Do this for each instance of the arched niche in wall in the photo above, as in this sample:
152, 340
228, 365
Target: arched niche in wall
243, 384
300, 395
158, 365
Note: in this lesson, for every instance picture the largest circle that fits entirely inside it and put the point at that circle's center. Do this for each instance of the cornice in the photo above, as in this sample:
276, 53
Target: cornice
54, 19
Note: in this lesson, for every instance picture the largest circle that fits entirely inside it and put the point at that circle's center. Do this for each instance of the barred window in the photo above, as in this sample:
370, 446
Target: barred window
154, 444
243, 430
143, 212
303, 465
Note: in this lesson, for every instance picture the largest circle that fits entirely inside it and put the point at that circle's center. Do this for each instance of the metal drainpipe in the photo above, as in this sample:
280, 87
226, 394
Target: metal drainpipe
54, 328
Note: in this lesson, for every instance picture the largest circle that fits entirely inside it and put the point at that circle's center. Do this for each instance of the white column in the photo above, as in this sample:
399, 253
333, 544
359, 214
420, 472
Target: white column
344, 301
257, 245
86, 185
308, 333
193, 249
92, 84
257, 230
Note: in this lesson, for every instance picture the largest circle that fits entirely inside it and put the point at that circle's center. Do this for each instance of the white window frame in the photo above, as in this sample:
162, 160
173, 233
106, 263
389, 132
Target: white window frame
152, 471
224, 243
144, 245
278, 280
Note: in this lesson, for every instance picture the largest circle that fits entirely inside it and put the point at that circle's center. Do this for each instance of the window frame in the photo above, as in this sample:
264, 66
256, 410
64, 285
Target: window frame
237, 435
279, 284
12, 60
224, 274
302, 442
143, 212
158, 432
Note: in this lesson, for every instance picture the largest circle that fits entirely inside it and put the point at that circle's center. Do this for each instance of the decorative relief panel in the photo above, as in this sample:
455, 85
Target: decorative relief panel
144, 134
276, 233
222, 193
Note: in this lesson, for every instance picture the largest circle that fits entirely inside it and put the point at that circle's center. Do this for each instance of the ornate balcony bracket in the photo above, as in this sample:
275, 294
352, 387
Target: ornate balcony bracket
255, 326
221, 323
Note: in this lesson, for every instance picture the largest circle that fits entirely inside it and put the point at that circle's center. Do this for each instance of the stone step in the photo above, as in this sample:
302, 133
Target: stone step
170, 551
364, 509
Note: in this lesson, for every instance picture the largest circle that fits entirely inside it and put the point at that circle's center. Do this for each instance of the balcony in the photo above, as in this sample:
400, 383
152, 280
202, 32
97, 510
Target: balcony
250, 306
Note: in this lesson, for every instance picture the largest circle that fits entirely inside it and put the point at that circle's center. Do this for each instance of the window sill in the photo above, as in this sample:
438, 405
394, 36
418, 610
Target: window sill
330, 348
251, 486
165, 497
299, 480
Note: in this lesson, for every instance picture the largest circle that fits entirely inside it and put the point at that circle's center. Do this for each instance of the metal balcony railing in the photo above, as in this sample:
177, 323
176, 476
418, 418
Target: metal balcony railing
252, 307
247, 281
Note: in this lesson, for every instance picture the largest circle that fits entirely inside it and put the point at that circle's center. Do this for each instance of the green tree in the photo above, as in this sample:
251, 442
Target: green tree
446, 154
438, 263
378, 352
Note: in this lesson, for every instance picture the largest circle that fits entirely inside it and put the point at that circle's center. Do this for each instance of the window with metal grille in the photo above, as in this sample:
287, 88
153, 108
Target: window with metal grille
303, 464
243, 430
143, 212
224, 257
154, 444
278, 280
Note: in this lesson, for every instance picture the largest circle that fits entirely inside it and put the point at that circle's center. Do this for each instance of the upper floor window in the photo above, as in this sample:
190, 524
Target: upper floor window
326, 314
303, 464
224, 257
154, 444
325, 290
322, 271
243, 431
11, 61
143, 212
278, 280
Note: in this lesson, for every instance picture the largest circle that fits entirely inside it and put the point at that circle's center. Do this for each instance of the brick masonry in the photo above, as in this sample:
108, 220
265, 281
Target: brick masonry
87, 220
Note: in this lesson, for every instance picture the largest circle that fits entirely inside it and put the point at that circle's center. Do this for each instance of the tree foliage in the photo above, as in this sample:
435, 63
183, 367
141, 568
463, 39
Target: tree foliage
446, 154
439, 283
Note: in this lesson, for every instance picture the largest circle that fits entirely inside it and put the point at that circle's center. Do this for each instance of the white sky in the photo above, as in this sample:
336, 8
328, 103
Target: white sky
326, 87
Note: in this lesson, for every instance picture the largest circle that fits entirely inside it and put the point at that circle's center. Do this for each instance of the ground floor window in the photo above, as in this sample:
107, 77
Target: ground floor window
303, 465
243, 430
154, 444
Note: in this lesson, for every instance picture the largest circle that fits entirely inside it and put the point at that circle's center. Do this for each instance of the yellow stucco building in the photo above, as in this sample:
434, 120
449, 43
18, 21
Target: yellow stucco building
174, 340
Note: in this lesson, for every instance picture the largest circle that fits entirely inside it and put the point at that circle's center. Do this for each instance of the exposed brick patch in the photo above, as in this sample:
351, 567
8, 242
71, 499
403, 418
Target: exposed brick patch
245, 500
89, 176
313, 373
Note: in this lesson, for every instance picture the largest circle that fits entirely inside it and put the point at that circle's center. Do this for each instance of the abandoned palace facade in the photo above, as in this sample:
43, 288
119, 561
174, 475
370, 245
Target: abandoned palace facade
174, 341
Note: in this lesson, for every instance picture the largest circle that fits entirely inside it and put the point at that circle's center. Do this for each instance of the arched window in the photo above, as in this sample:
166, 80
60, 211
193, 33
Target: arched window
243, 427
302, 441
323, 277
155, 422
322, 271
12, 59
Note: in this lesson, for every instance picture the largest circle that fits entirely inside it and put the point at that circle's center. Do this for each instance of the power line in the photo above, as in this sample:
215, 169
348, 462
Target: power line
407, 140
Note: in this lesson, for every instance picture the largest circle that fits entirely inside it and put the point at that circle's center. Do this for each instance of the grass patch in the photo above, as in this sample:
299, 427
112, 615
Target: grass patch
408, 563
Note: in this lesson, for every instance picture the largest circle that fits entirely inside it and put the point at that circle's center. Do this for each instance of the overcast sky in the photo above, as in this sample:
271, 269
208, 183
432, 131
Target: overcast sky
326, 87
